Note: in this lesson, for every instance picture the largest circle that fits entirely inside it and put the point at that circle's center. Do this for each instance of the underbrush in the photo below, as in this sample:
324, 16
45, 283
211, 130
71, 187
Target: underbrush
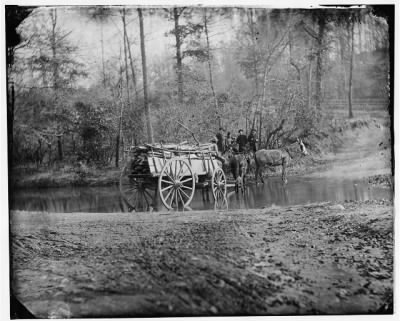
320, 142
79, 174
385, 180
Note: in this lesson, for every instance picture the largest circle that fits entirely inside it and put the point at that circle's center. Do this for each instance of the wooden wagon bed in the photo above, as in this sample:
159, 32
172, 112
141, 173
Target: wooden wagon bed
173, 171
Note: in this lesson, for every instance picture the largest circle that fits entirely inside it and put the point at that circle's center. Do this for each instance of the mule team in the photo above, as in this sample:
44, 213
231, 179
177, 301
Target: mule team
241, 154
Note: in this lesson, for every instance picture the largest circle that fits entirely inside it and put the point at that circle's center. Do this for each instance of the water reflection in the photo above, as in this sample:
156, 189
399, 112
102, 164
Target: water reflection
300, 191
108, 199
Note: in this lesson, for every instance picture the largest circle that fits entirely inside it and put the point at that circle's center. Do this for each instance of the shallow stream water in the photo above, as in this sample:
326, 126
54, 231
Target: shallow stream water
299, 190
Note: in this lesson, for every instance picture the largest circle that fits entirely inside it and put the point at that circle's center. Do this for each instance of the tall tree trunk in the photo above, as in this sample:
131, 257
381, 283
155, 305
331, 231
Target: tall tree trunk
309, 85
56, 84
351, 34
259, 131
59, 147
360, 43
291, 60
343, 65
126, 59
210, 70
53, 15
144, 70
117, 145
254, 50
121, 110
102, 56
320, 43
178, 55
132, 67
10, 122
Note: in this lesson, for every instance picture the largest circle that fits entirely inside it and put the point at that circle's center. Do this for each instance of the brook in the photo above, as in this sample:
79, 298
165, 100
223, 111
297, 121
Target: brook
299, 190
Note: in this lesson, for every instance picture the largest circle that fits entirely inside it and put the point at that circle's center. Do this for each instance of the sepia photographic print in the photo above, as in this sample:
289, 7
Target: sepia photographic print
200, 160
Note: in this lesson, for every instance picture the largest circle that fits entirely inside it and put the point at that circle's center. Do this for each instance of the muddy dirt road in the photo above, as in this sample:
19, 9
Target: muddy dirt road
310, 259
319, 258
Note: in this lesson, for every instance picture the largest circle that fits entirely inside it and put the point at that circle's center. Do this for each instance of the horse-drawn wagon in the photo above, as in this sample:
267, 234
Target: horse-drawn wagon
172, 172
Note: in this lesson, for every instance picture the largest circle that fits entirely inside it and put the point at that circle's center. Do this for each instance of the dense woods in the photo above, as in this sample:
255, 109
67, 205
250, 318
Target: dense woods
284, 72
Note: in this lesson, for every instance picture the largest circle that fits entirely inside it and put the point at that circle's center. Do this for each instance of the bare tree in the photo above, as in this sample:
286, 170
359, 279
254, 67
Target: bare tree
123, 17
131, 65
177, 13
210, 68
144, 71
350, 26
320, 47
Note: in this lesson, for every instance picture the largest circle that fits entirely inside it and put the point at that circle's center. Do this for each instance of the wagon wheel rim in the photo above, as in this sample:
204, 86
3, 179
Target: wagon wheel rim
176, 184
221, 203
135, 191
218, 185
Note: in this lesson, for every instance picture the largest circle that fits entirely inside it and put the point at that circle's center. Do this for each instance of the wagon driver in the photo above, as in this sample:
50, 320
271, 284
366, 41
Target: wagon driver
241, 140
220, 140
252, 140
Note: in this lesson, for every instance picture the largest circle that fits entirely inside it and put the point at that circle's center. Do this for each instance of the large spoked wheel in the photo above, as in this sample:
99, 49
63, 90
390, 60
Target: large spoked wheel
137, 192
176, 184
218, 185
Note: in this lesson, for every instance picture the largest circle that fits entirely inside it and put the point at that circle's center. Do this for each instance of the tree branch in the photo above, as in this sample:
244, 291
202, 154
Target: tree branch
307, 29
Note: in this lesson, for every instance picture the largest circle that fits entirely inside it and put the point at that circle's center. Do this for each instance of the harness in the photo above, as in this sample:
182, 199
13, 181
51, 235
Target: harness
286, 148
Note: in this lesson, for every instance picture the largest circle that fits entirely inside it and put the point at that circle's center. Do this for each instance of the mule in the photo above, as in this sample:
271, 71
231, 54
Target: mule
237, 165
277, 157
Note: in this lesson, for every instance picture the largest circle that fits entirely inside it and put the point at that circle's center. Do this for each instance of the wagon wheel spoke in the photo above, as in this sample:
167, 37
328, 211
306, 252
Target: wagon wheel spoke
186, 187
176, 198
168, 198
176, 170
169, 194
180, 170
182, 196
187, 180
184, 193
176, 183
168, 171
182, 200
139, 205
215, 190
130, 189
172, 198
146, 192
166, 188
171, 173
218, 183
143, 194
131, 199
182, 173
167, 182
169, 176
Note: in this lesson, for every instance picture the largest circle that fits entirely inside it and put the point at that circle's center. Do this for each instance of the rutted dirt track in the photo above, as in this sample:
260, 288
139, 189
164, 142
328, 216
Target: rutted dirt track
297, 260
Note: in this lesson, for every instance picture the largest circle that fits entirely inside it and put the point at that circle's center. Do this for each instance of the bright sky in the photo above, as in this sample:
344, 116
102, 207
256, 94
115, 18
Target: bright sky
86, 34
